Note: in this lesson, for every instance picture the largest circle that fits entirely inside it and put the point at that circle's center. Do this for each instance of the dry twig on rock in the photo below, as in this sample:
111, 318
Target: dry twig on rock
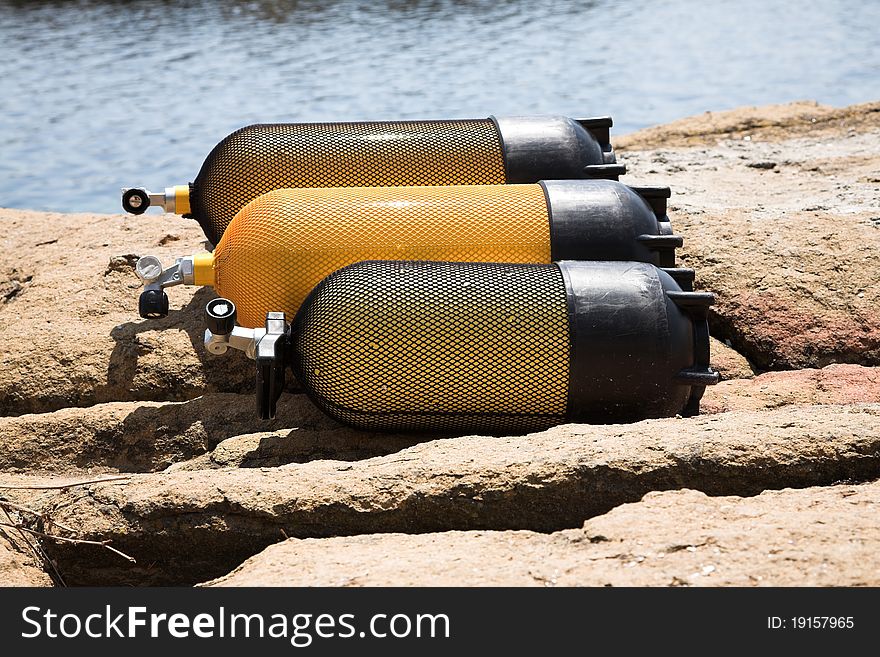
78, 541
57, 486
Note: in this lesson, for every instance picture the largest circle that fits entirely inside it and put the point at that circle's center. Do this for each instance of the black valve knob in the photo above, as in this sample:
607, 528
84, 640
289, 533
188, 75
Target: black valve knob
153, 304
220, 316
135, 201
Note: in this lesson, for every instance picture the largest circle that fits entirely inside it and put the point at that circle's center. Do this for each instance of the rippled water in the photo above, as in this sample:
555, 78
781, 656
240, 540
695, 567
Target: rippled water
99, 95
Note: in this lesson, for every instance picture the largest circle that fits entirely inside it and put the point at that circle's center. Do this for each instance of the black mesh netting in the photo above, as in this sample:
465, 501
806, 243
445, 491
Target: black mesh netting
408, 346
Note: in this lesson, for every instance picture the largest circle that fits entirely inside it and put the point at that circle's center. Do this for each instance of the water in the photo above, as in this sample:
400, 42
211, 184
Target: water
98, 95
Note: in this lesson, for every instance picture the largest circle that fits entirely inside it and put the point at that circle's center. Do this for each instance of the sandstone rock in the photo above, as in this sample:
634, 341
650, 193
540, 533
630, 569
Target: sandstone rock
17, 566
149, 436
185, 527
789, 252
835, 384
787, 298
71, 335
810, 537
728, 363
765, 123
275, 448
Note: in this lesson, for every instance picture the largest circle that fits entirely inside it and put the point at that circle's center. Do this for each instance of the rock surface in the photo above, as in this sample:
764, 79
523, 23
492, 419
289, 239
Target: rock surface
789, 249
767, 123
810, 537
835, 384
70, 334
151, 436
780, 211
184, 527
729, 363
18, 567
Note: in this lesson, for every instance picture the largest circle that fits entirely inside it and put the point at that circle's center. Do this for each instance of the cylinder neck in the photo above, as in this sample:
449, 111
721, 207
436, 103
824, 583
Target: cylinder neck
177, 199
203, 269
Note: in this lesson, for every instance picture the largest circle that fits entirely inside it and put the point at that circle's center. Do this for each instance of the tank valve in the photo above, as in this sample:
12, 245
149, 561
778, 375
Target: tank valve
153, 302
267, 346
222, 333
136, 200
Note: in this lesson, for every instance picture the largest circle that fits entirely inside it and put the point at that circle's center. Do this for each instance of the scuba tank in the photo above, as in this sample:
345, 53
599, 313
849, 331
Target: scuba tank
283, 243
260, 158
440, 346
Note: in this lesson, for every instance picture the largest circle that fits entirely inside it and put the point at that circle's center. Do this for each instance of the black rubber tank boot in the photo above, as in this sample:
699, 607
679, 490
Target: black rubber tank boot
606, 220
557, 147
453, 347
639, 342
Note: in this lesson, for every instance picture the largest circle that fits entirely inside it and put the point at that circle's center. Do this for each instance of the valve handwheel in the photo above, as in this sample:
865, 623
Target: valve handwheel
220, 316
135, 201
153, 304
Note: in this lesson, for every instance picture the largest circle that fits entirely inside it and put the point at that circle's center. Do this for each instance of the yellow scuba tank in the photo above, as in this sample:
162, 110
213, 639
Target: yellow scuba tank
260, 158
280, 245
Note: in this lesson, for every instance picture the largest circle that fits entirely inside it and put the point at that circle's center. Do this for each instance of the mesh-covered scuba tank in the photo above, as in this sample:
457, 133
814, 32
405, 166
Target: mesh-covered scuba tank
260, 158
427, 346
283, 243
